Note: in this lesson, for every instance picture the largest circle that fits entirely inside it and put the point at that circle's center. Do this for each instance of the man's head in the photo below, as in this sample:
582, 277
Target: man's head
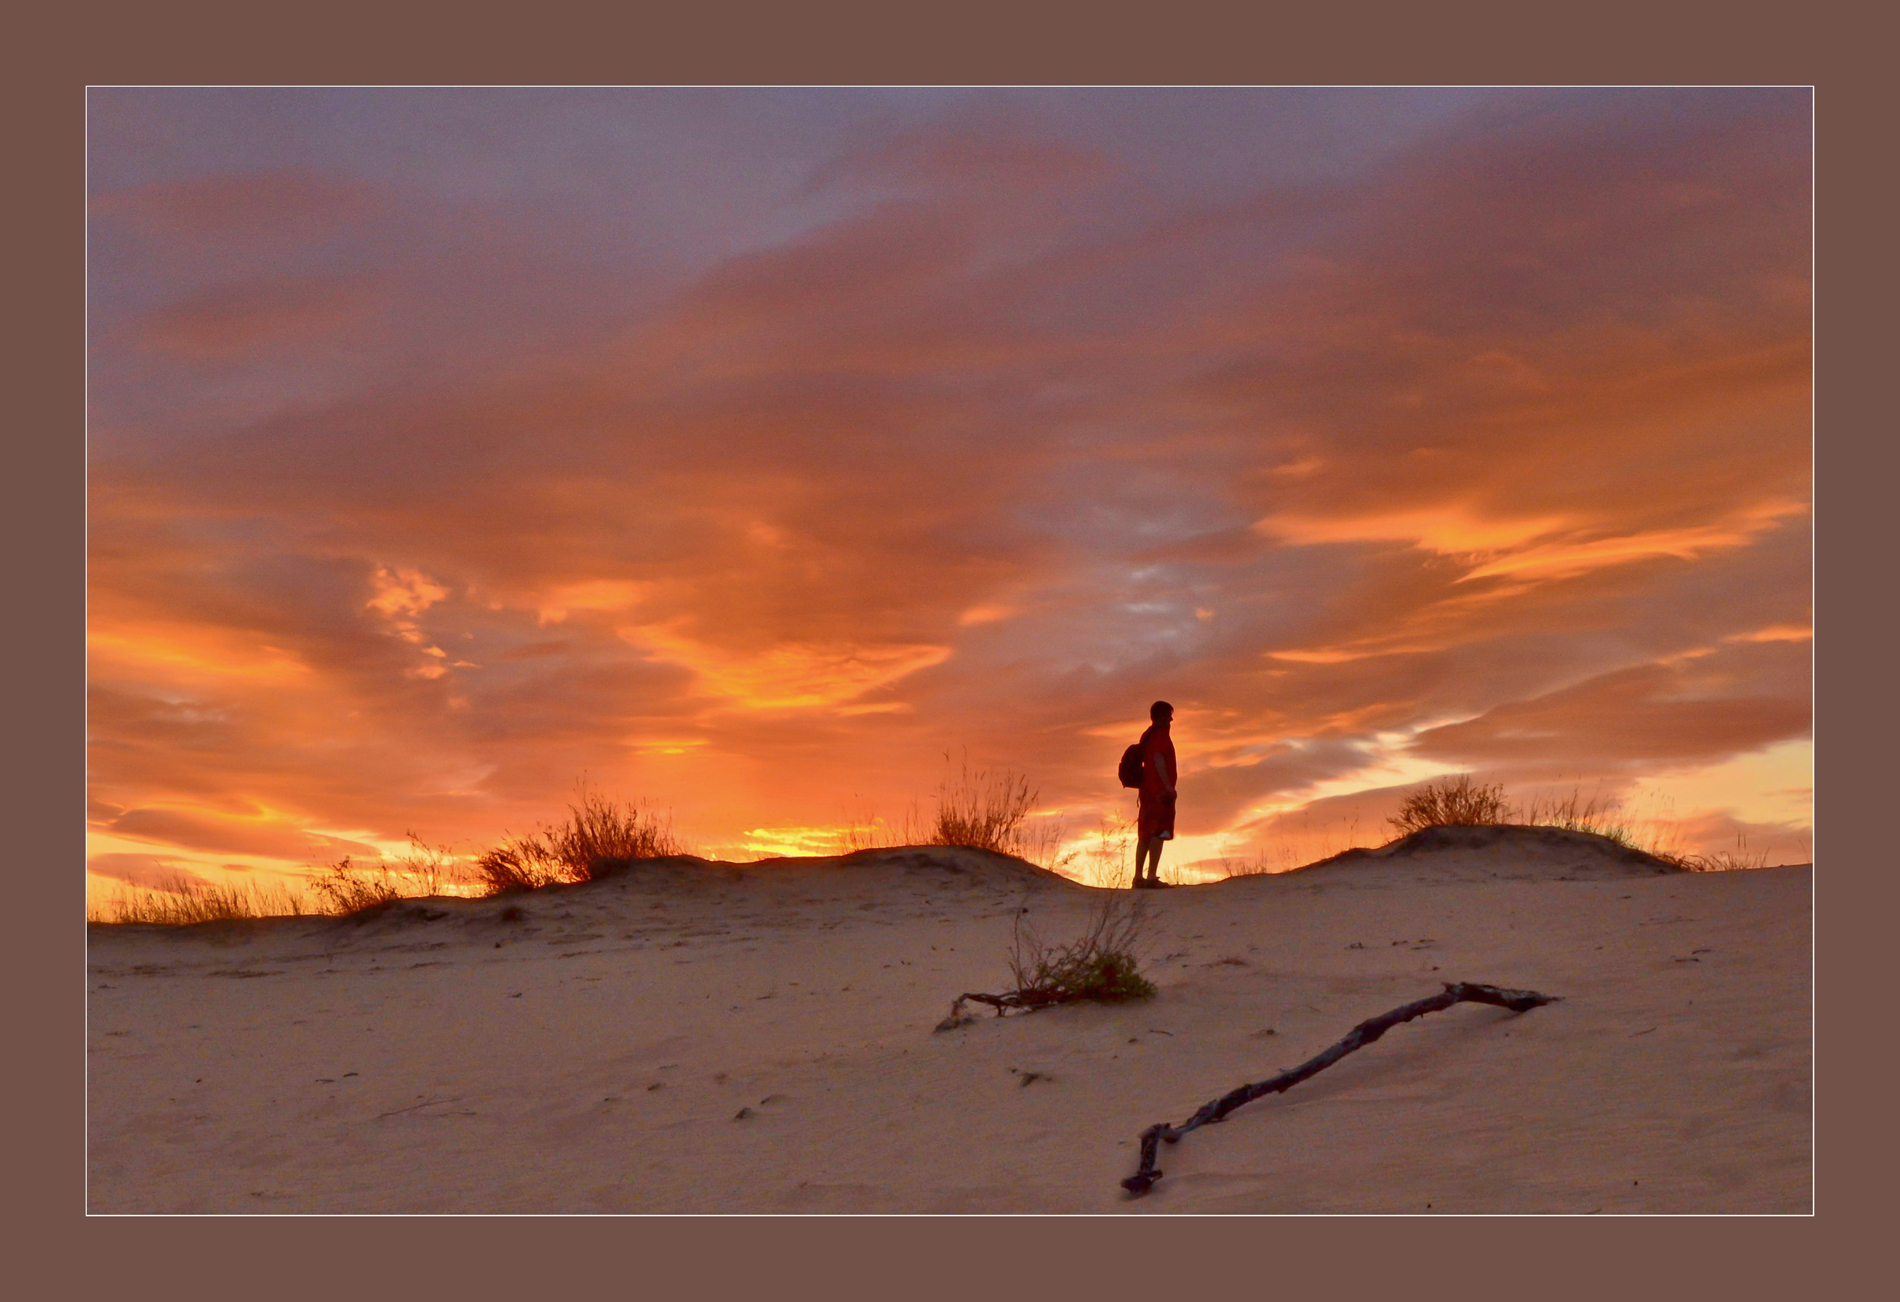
1161, 712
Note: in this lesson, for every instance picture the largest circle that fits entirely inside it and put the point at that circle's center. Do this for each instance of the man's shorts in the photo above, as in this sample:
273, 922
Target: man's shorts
1154, 816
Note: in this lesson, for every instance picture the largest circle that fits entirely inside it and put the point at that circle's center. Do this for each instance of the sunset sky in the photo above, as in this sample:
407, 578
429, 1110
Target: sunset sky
747, 452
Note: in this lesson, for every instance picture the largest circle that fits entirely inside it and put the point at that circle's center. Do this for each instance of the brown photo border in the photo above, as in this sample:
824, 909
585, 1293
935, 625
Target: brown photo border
1388, 43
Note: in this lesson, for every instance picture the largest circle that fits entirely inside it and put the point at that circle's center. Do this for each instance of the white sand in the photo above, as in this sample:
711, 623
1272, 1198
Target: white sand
592, 1056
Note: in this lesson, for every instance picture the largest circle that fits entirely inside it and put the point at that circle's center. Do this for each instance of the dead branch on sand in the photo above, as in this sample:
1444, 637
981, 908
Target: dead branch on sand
1010, 1001
1518, 1001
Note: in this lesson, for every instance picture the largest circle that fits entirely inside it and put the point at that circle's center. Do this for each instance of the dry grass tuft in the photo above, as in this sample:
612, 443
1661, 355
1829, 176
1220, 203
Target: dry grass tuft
185, 902
1459, 801
427, 868
345, 888
1258, 866
1721, 861
1110, 862
1600, 815
599, 834
348, 889
983, 810
977, 809
1452, 802
1099, 965
870, 832
342, 889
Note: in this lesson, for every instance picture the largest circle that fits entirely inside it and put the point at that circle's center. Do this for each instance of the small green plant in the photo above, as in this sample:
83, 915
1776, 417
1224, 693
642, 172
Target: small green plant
1102, 964
1452, 802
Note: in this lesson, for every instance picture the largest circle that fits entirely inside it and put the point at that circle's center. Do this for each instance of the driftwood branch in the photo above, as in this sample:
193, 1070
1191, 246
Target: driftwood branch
396, 1112
1518, 1001
1013, 1001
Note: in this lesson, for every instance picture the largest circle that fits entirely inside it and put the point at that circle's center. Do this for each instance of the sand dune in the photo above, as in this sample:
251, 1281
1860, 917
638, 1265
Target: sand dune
702, 1037
1478, 854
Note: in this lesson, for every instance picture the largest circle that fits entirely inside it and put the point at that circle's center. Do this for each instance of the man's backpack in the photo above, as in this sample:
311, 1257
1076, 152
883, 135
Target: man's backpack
1130, 770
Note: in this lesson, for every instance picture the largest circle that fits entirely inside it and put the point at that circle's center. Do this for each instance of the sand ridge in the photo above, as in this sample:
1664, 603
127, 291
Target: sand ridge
700, 1037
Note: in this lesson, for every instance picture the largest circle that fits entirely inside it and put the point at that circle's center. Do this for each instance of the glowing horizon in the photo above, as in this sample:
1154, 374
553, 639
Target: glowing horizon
748, 453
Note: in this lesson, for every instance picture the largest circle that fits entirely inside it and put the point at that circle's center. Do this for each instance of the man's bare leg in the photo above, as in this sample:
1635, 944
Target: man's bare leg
1148, 850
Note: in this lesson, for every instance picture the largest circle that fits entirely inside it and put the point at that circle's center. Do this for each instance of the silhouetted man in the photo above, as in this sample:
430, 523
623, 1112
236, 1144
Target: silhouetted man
1154, 818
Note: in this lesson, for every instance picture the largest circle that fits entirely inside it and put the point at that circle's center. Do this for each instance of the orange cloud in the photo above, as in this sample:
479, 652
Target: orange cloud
1452, 531
190, 652
1776, 633
794, 676
591, 595
152, 872
753, 487
1562, 559
265, 836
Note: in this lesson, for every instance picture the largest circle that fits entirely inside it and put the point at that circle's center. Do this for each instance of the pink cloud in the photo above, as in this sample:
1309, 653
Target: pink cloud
233, 320
255, 205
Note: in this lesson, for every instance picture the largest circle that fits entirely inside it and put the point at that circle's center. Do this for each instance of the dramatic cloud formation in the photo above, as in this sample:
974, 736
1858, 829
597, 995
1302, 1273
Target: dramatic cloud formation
749, 452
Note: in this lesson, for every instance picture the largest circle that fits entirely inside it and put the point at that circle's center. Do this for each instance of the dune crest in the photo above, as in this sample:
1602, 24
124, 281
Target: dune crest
1491, 853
